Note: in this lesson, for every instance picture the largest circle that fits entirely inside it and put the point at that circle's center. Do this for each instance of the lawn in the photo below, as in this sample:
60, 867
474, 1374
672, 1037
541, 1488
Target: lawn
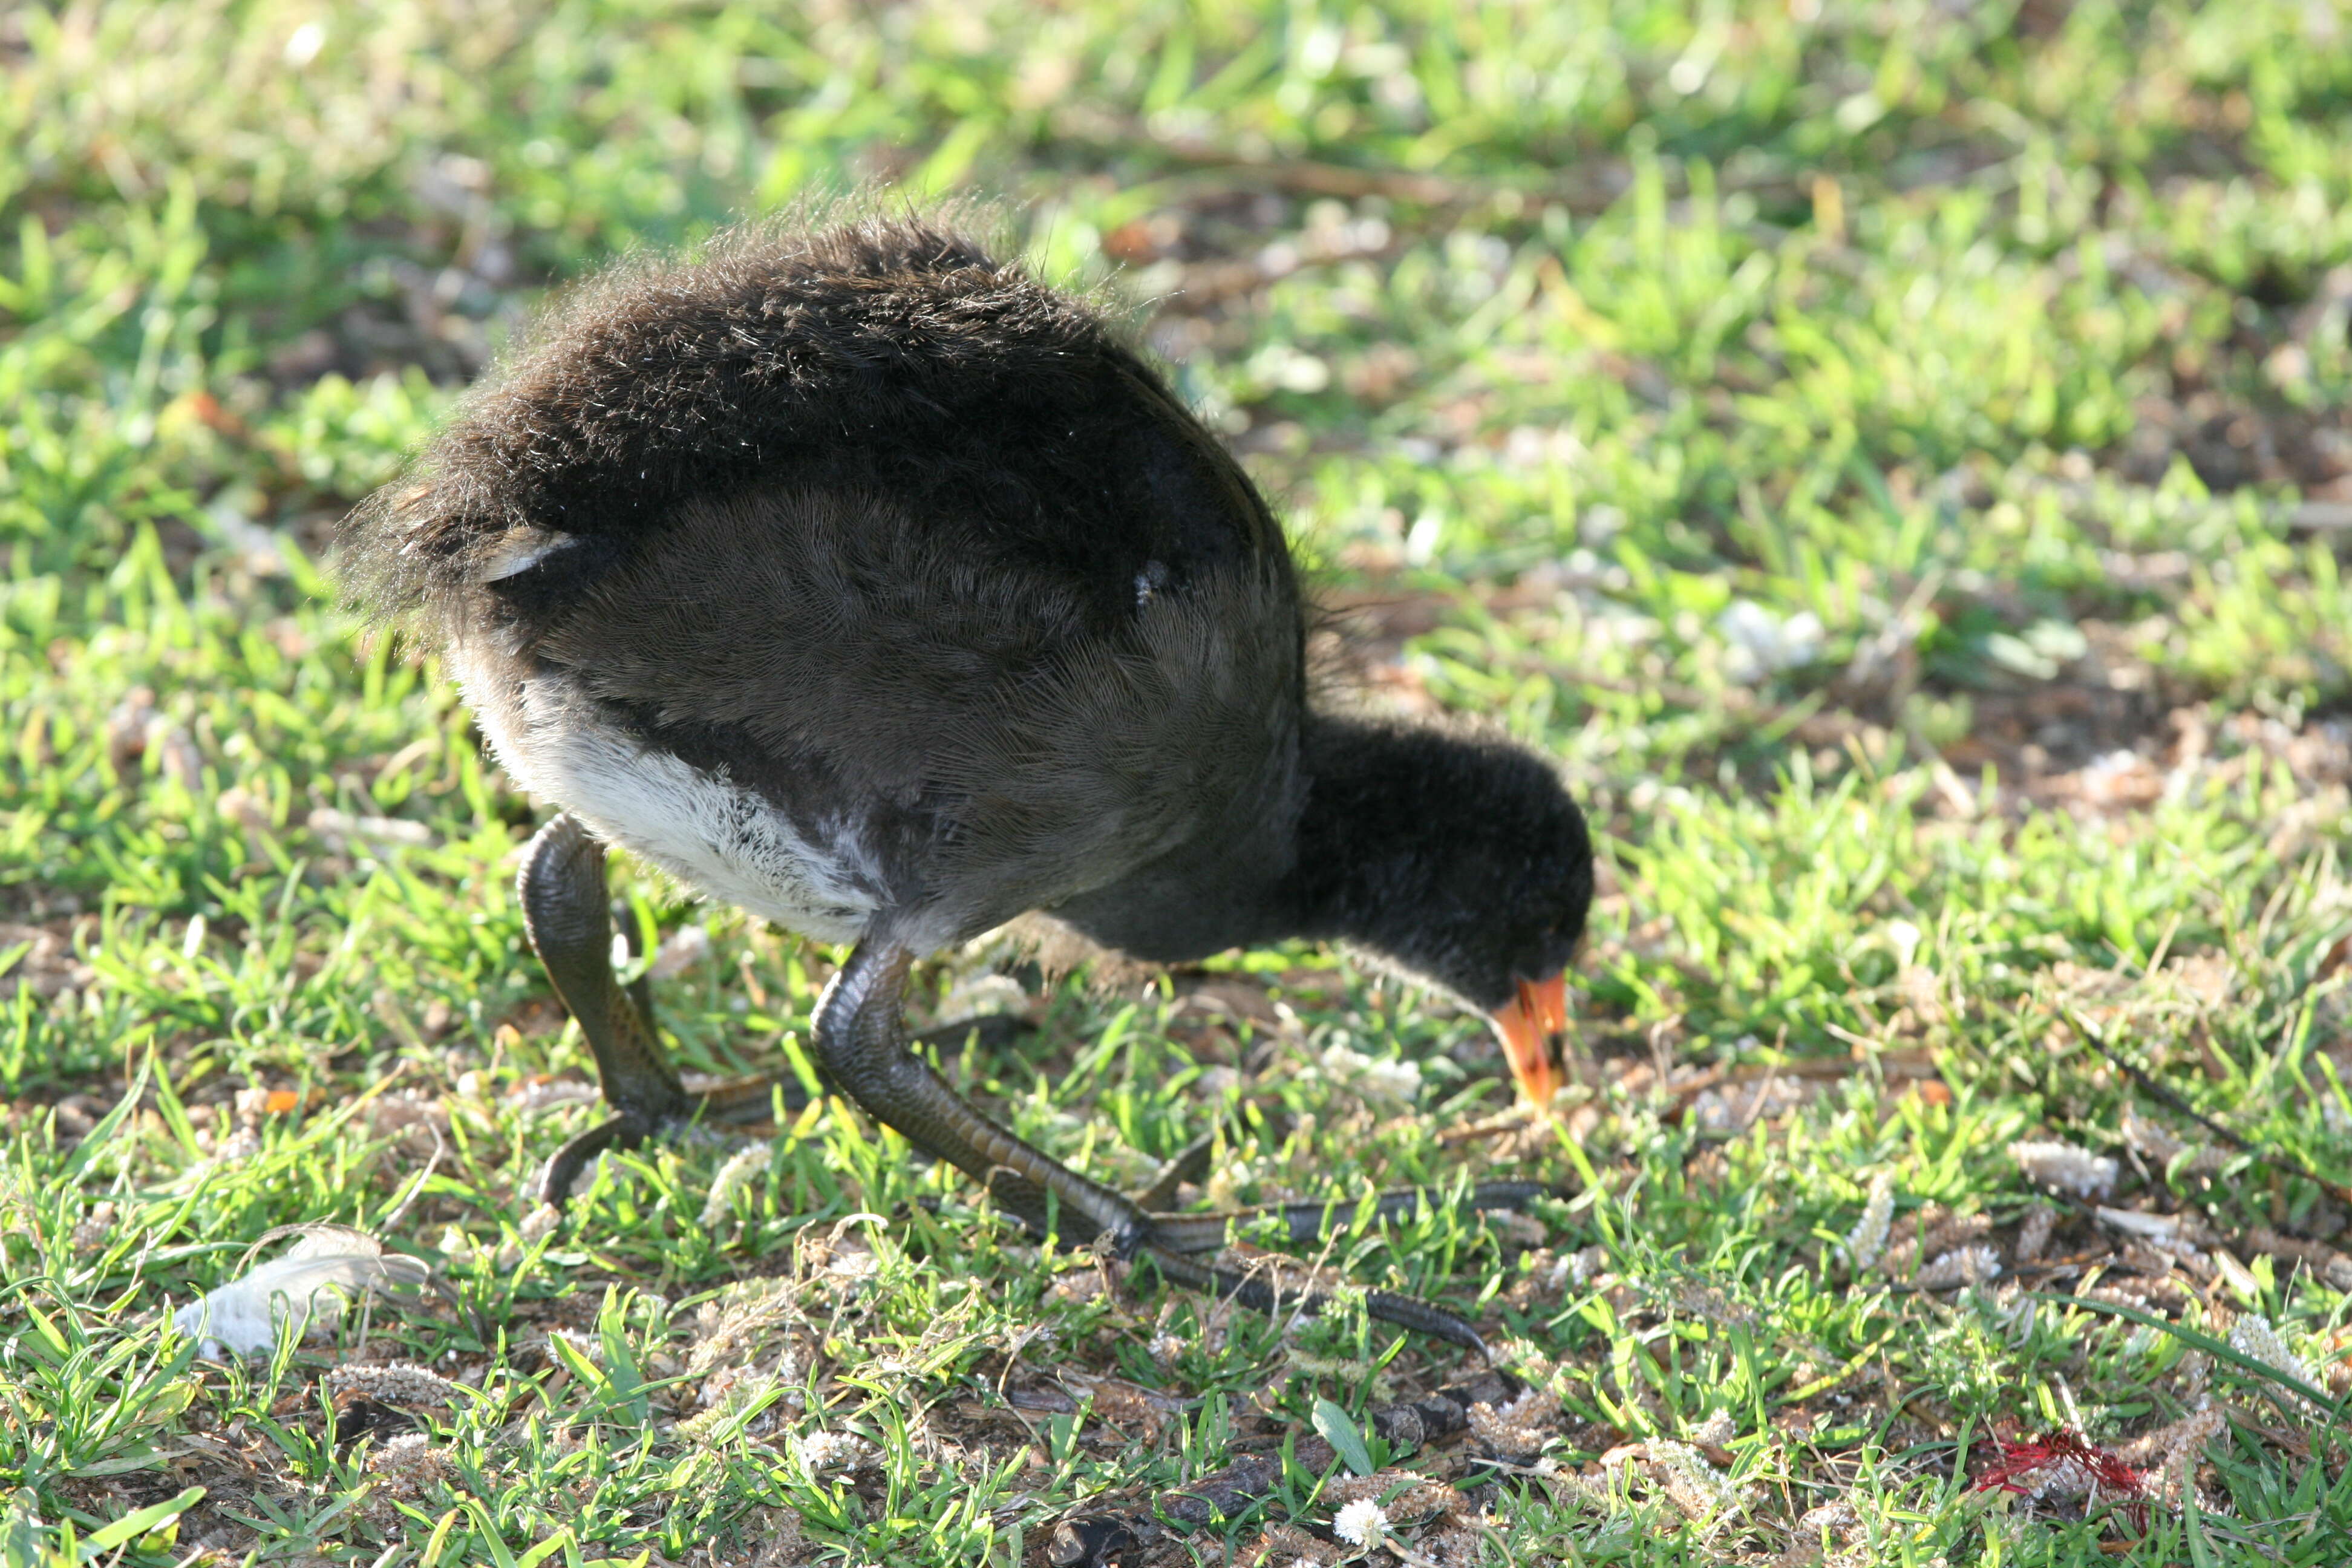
1896, 457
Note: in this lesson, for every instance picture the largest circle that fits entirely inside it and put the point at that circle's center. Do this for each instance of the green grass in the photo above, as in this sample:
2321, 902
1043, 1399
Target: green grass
1896, 455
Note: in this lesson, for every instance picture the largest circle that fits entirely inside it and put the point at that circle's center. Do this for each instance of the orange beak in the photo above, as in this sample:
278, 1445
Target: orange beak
1530, 1027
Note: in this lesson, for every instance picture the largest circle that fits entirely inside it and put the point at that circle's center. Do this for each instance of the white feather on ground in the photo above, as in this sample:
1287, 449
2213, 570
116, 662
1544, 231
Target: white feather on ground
325, 1269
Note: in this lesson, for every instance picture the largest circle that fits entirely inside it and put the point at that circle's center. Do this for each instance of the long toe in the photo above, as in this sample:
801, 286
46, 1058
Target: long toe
760, 1097
1179, 1247
1258, 1288
1312, 1220
564, 1168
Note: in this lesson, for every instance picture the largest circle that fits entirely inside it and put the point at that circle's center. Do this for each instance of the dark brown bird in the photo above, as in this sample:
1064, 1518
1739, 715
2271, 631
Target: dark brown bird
861, 581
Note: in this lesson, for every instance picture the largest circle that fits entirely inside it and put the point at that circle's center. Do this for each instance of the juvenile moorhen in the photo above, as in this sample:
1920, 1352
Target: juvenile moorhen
860, 580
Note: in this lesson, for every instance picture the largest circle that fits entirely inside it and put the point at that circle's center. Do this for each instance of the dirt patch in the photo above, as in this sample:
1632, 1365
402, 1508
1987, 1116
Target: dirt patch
49, 965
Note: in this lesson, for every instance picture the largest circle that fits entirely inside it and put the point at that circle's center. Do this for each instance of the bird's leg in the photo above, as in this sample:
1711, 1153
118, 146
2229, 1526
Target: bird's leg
566, 914
861, 1043
861, 1047
561, 891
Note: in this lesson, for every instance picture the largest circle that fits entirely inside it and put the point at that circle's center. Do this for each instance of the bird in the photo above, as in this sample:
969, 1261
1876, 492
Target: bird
857, 578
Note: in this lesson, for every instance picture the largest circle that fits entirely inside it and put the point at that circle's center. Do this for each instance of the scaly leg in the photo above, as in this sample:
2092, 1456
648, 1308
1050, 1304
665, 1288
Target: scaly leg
861, 1043
565, 912
561, 891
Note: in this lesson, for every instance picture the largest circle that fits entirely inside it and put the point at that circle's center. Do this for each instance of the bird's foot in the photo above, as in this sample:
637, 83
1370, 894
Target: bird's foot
1208, 1251
1197, 1249
745, 1100
563, 1170
1178, 1243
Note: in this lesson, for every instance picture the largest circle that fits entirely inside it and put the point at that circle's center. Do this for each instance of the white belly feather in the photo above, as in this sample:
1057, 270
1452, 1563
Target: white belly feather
716, 836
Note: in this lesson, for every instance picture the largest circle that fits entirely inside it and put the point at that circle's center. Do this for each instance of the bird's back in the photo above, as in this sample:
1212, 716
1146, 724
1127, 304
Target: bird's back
903, 548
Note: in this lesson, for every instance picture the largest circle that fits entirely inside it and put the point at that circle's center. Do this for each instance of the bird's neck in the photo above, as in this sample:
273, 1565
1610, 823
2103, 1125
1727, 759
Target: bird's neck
1351, 847
1369, 857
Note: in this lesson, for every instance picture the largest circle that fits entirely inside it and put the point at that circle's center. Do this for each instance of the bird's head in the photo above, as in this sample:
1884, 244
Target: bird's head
1459, 858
